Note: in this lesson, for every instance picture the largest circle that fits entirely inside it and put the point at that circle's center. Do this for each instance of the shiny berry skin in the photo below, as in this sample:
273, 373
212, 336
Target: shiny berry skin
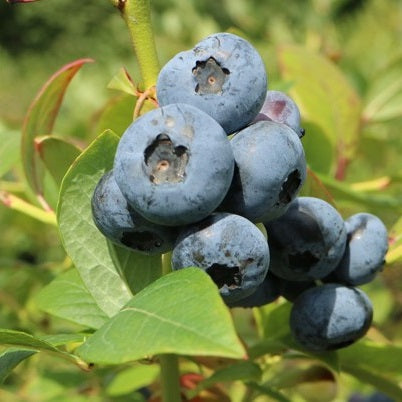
330, 317
228, 247
117, 221
174, 165
223, 75
307, 241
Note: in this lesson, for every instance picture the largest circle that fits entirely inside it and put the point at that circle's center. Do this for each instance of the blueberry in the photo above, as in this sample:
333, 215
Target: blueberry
270, 169
308, 241
379, 397
174, 165
330, 317
365, 251
267, 292
122, 225
223, 75
281, 108
290, 290
231, 249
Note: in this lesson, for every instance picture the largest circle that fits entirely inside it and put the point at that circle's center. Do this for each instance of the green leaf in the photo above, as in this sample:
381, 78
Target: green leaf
384, 97
273, 324
9, 149
40, 120
67, 297
387, 105
345, 192
383, 301
378, 381
128, 380
286, 343
395, 239
363, 354
117, 115
22, 339
273, 319
57, 155
314, 187
240, 371
10, 359
268, 391
181, 313
123, 82
300, 373
83, 242
63, 339
324, 96
138, 270
272, 346
394, 254
329, 358
18, 338
320, 152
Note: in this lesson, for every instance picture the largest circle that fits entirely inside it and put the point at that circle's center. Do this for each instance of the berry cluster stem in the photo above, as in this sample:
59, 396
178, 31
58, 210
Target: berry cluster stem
137, 15
170, 378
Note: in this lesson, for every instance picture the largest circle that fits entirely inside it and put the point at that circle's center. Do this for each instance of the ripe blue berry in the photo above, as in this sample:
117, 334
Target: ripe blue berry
270, 169
308, 241
117, 221
365, 251
230, 249
223, 75
267, 292
290, 290
174, 165
330, 317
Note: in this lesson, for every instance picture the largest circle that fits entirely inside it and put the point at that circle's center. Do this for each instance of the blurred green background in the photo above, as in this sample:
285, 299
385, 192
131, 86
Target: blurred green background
362, 38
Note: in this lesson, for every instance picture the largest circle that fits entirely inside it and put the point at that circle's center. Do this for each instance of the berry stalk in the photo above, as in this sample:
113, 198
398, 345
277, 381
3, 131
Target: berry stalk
137, 15
170, 378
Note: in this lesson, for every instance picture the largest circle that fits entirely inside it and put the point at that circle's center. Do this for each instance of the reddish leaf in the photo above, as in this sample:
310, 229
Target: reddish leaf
40, 120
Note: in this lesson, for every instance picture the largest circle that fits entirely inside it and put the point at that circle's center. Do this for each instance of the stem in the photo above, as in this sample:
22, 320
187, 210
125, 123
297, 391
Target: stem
169, 363
341, 167
166, 263
137, 15
170, 378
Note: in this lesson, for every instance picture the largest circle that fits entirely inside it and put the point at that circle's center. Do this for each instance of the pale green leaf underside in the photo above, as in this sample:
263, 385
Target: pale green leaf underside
27, 341
10, 359
137, 269
83, 242
57, 154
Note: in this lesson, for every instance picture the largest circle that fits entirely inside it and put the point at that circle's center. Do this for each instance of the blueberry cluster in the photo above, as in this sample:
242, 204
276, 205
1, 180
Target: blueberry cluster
220, 155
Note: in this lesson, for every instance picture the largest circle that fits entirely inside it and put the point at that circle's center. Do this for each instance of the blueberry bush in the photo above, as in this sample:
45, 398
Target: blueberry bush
227, 226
